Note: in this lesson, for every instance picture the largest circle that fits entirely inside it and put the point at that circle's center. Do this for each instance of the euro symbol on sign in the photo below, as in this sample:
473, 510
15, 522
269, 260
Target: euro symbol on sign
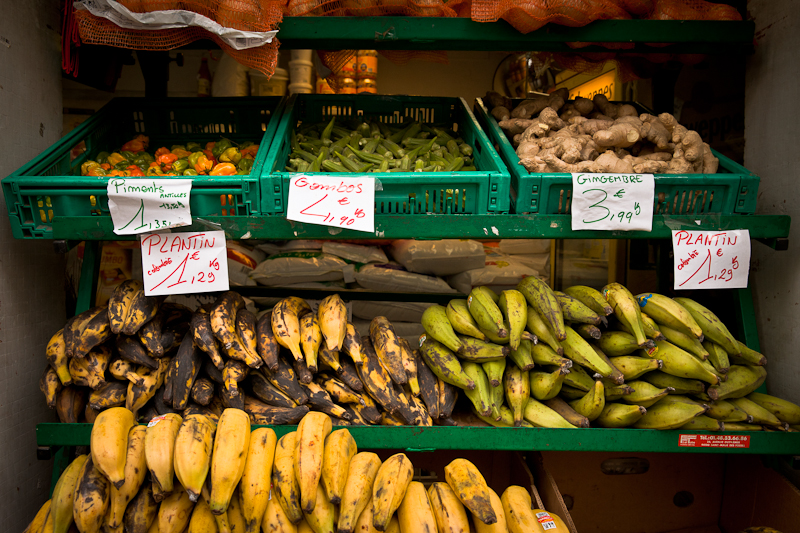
620, 193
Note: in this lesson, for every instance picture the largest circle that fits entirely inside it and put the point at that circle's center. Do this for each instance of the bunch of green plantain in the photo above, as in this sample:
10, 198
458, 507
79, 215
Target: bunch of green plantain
277, 365
583, 357
345, 144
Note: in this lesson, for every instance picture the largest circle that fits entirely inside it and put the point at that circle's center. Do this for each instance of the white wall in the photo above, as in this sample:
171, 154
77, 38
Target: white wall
771, 102
31, 274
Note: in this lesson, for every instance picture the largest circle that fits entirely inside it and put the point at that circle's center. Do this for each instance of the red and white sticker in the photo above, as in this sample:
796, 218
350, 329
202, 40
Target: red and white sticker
714, 441
422, 339
155, 420
545, 520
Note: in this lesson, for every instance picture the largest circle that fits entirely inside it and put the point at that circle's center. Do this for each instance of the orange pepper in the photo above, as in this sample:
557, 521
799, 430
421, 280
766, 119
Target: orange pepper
203, 164
152, 164
181, 153
96, 171
250, 151
166, 159
105, 166
138, 144
210, 145
161, 151
118, 173
223, 169
135, 171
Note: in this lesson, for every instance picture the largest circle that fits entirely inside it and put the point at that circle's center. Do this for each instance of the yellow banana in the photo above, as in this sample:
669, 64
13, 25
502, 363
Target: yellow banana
92, 494
685, 342
352, 344
680, 363
312, 431
518, 509
175, 512
546, 385
223, 524
540, 415
286, 323
550, 522
254, 488
712, 327
591, 405
340, 447
627, 310
202, 521
515, 310
142, 511
159, 448
645, 394
669, 415
786, 411
192, 453
498, 527
275, 519
449, 512
57, 357
486, 313
332, 315
50, 385
322, 518
235, 516
469, 485
632, 366
461, 320
591, 298
389, 488
364, 522
310, 339
619, 415
415, 514
228, 457
357, 493
109, 443
39, 521
410, 365
669, 312
135, 470
284, 481
64, 495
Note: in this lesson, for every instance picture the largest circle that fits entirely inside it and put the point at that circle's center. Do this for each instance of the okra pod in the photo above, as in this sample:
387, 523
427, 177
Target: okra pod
331, 166
354, 139
340, 144
371, 145
369, 158
455, 165
384, 166
348, 163
393, 147
452, 147
326, 133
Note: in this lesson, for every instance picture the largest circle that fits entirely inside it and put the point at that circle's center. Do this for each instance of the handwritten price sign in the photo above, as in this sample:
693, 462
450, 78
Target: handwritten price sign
140, 205
614, 202
333, 201
184, 263
711, 259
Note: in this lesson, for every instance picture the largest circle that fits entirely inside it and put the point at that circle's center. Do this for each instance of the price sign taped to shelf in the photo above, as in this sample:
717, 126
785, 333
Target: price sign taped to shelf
612, 202
711, 259
714, 441
333, 201
184, 263
142, 205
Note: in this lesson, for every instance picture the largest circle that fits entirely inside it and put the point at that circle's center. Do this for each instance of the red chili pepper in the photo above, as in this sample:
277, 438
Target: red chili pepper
161, 151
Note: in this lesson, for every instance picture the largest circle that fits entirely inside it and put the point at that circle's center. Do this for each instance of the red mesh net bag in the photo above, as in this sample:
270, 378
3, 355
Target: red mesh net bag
369, 8
692, 10
250, 15
529, 15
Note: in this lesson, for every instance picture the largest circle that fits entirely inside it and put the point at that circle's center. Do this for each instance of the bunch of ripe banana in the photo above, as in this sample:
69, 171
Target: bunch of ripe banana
534, 356
221, 477
156, 358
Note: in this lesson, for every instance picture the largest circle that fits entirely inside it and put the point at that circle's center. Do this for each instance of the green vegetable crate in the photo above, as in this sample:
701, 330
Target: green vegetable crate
732, 190
51, 186
482, 191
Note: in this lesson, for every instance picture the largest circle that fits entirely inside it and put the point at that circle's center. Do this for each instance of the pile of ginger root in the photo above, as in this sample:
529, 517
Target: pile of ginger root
554, 134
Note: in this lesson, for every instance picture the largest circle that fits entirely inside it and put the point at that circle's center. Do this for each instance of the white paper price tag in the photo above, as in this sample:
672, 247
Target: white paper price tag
141, 205
183, 263
333, 201
711, 259
614, 202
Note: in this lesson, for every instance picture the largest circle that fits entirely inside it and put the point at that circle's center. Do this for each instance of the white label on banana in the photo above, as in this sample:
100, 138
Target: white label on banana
141, 205
155, 420
711, 259
422, 340
612, 202
545, 520
184, 263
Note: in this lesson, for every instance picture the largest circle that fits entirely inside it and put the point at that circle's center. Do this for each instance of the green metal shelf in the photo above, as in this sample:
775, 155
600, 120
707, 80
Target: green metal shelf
438, 227
434, 33
413, 438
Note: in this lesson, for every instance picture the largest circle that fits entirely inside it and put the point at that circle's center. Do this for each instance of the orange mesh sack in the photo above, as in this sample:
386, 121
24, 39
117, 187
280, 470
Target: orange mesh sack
246, 15
693, 10
529, 15
369, 8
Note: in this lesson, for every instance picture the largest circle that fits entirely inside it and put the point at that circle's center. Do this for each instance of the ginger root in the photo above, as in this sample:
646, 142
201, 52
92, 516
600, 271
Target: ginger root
534, 106
501, 113
622, 134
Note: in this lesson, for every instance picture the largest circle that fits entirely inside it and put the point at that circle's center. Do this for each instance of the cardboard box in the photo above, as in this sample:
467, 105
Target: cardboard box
672, 493
499, 468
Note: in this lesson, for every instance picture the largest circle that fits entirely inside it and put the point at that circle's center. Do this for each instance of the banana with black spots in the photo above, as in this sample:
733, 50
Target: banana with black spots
141, 512
135, 471
487, 314
410, 365
228, 457
112, 394
389, 488
471, 489
387, 347
269, 393
321, 401
515, 310
57, 357
265, 414
376, 379
591, 298
95, 331
285, 379
537, 326
255, 489
150, 335
541, 297
192, 452
142, 309
437, 326
120, 303
444, 364
203, 337
92, 497
351, 345
286, 323
310, 340
518, 391
284, 480
63, 499
312, 431
50, 386
575, 311
339, 450
569, 414
266, 345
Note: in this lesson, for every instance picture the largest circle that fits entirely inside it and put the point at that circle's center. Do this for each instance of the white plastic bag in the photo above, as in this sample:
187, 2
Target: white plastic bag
393, 278
355, 252
441, 258
301, 267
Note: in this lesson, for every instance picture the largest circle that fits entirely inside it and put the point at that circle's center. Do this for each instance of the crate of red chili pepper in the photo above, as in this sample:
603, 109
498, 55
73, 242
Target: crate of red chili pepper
220, 143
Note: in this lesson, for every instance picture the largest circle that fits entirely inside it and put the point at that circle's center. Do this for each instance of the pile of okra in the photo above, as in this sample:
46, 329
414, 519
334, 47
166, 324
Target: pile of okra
347, 145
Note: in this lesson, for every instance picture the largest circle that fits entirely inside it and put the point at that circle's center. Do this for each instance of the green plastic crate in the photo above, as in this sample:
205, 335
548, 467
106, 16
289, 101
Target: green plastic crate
485, 191
51, 185
732, 190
